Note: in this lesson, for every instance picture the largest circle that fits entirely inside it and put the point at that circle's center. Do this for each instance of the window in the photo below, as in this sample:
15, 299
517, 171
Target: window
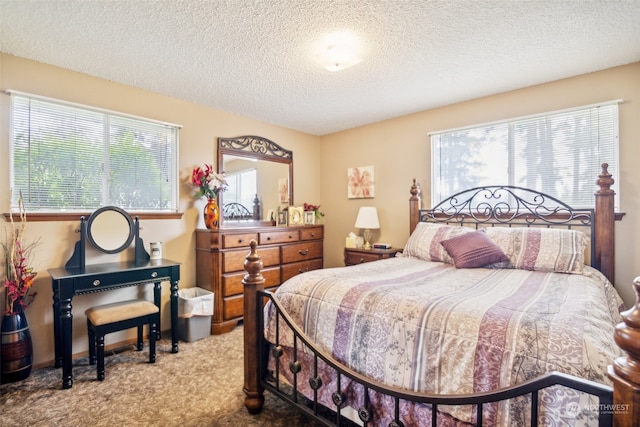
558, 153
242, 188
67, 157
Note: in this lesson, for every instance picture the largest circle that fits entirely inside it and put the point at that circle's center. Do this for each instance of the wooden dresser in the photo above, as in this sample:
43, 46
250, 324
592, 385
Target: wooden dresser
220, 254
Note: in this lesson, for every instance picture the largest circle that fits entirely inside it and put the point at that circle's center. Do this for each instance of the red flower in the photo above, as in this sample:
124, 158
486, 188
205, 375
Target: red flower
209, 182
313, 208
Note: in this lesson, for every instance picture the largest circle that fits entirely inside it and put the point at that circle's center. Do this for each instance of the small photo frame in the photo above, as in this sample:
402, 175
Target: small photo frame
296, 215
309, 217
283, 218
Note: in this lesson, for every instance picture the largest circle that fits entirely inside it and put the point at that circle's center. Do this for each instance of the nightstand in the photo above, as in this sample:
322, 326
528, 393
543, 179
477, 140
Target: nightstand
353, 256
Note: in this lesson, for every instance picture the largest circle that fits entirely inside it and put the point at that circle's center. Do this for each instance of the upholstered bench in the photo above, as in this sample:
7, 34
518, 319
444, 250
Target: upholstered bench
118, 316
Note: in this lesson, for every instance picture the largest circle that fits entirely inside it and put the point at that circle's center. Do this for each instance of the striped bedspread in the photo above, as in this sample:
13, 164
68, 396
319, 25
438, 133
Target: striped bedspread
427, 326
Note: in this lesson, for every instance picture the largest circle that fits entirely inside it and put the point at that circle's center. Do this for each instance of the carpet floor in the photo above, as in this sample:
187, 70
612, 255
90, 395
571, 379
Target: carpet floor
201, 385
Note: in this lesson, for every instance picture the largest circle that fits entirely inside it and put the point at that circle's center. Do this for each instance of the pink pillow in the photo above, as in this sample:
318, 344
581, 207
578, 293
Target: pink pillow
473, 250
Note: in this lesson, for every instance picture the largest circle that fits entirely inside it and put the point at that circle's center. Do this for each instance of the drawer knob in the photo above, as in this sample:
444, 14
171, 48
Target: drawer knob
240, 240
303, 252
361, 260
313, 234
96, 282
269, 238
154, 274
290, 236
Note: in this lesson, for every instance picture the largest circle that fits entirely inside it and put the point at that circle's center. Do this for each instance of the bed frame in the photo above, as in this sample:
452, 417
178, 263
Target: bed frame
618, 405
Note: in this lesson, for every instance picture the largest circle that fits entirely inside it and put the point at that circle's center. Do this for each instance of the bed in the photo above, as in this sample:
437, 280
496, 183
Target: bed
237, 212
500, 311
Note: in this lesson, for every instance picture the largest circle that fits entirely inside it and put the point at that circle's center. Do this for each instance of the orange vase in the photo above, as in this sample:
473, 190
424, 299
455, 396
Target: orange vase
211, 214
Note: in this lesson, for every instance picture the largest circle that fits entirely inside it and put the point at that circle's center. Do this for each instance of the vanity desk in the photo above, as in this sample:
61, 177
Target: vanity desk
70, 281
110, 230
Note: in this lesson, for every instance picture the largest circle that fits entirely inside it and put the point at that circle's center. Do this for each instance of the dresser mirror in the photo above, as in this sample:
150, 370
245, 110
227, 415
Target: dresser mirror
260, 177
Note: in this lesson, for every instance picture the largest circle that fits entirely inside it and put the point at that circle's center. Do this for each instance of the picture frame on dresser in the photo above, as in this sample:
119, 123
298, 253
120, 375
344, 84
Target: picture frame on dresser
309, 217
296, 215
283, 219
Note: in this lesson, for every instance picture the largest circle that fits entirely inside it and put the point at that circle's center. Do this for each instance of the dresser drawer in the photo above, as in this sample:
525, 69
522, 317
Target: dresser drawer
232, 282
301, 252
238, 240
352, 258
234, 260
311, 233
233, 307
290, 270
273, 237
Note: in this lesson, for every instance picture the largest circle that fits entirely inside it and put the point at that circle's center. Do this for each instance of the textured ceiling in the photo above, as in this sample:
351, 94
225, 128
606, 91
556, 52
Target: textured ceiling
254, 57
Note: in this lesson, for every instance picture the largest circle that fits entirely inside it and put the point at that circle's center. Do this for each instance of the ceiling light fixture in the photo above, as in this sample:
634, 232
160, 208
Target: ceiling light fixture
338, 51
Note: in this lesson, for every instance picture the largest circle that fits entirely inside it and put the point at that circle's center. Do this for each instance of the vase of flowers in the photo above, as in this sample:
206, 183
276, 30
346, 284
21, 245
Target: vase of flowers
308, 207
16, 347
15, 344
209, 184
211, 214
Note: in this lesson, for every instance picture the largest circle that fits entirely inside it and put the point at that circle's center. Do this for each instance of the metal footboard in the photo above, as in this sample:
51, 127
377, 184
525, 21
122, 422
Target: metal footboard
333, 415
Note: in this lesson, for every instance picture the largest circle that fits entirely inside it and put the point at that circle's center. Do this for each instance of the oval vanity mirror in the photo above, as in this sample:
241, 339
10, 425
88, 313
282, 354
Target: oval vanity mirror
110, 229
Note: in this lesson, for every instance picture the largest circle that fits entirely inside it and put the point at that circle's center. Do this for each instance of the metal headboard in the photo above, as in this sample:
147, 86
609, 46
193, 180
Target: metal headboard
505, 205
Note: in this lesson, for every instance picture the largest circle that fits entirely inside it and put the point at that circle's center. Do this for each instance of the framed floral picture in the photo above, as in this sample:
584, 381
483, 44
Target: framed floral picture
296, 215
309, 217
360, 183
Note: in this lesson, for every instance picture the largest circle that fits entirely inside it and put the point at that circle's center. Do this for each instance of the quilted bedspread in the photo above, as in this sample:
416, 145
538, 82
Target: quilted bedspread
427, 326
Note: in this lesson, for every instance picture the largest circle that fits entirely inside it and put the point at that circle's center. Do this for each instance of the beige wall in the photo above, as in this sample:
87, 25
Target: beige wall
399, 150
201, 127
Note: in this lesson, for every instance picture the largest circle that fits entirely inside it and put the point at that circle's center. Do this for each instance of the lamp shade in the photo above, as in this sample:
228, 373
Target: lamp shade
367, 218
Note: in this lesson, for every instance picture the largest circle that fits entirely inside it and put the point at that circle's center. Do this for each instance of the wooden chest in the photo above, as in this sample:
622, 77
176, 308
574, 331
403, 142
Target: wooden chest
220, 255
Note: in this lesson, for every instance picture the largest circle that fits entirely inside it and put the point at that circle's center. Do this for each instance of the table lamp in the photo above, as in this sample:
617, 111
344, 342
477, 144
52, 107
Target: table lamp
367, 219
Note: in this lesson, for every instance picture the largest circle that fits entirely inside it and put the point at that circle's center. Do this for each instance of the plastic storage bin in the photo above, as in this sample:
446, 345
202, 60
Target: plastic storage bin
195, 308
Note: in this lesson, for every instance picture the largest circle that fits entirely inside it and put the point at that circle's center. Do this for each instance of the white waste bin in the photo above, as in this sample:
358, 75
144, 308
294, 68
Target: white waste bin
195, 308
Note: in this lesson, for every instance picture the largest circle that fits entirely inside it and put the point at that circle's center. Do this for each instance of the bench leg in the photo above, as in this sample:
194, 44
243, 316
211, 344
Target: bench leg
140, 345
92, 344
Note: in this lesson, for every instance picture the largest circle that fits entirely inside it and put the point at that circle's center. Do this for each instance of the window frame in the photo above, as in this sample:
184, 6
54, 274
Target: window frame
509, 125
60, 214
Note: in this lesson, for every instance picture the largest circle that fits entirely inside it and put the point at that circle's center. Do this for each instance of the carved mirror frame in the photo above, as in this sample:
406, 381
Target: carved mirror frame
258, 148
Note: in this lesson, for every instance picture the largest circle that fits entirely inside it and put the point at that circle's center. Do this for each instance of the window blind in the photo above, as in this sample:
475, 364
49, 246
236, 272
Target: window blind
558, 153
67, 157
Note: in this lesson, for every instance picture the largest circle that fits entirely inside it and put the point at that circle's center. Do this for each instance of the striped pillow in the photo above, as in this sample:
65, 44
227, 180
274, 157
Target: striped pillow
541, 249
424, 242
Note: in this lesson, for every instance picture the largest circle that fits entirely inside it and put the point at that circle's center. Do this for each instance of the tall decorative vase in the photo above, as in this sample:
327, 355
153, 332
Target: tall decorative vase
212, 214
16, 351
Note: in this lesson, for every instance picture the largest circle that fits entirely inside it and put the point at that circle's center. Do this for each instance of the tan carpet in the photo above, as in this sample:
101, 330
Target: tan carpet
199, 386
